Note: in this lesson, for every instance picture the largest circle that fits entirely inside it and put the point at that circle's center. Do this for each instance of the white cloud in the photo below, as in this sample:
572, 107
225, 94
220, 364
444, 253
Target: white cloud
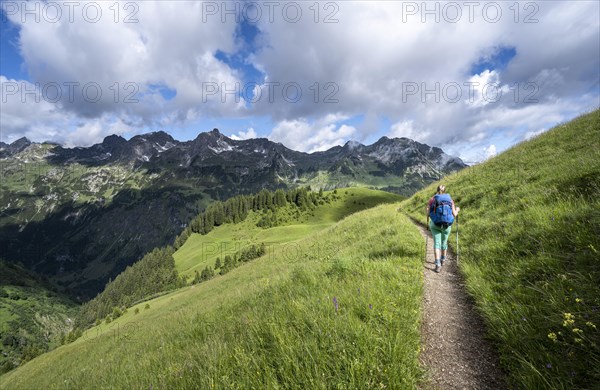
113, 67
38, 119
406, 129
490, 151
250, 133
484, 88
28, 114
94, 131
530, 134
310, 137
374, 59
364, 64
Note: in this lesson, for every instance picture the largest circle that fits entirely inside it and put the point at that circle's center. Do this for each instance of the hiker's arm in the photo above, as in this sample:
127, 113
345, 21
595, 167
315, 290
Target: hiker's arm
427, 214
455, 209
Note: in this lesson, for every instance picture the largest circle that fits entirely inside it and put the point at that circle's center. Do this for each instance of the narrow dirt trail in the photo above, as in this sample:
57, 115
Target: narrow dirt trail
454, 349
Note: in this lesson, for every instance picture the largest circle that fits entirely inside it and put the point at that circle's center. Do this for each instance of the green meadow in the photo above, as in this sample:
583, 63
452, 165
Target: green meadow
342, 309
530, 249
200, 251
336, 300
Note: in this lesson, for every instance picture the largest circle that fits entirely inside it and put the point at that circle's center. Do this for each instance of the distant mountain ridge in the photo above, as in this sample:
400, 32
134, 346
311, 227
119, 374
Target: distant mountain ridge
80, 215
394, 155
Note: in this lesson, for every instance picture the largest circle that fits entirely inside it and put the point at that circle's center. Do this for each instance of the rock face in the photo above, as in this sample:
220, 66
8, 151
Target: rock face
14, 148
397, 156
79, 216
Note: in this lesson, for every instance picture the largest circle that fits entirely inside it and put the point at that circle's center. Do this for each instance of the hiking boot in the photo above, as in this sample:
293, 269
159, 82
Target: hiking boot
438, 268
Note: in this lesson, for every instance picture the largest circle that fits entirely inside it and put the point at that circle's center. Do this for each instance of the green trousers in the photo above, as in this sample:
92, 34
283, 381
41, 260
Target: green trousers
440, 235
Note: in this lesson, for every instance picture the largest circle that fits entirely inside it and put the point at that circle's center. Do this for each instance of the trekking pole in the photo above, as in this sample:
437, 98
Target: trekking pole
426, 245
457, 251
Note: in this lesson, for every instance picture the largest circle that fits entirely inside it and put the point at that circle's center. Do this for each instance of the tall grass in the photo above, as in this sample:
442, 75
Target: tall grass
340, 309
530, 247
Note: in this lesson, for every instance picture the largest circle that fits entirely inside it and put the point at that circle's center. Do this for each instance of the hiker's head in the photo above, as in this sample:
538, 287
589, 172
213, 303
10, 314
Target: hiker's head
441, 189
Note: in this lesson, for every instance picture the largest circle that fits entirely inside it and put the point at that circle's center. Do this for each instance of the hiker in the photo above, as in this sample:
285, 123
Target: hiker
441, 212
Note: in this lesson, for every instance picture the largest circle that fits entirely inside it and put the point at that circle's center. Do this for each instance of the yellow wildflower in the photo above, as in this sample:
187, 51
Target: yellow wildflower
590, 324
569, 319
552, 336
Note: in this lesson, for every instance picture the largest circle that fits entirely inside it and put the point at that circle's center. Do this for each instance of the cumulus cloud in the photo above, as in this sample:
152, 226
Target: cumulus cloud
389, 68
307, 136
38, 119
406, 129
104, 67
374, 60
250, 133
490, 151
28, 115
94, 131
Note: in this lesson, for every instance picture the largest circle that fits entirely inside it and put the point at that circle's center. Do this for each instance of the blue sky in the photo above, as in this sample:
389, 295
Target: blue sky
10, 59
497, 60
363, 72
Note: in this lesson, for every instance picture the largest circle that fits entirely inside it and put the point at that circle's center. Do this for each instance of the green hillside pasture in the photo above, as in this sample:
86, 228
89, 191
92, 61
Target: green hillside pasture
340, 311
200, 251
529, 247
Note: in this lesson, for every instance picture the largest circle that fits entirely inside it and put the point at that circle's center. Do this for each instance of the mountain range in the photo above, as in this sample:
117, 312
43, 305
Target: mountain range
79, 216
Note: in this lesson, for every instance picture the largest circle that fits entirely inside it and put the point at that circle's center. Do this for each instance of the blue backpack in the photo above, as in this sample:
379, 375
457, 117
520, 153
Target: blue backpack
441, 210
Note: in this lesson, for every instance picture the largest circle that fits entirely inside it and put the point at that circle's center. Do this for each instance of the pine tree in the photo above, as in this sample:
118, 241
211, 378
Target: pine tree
209, 221
302, 199
279, 198
207, 273
218, 263
219, 213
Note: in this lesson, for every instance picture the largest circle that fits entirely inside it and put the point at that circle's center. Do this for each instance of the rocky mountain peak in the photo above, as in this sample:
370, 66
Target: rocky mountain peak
15, 147
19, 144
113, 140
353, 145
159, 137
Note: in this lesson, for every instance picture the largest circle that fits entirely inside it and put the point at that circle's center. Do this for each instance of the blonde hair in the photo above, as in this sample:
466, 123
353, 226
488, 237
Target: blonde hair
441, 189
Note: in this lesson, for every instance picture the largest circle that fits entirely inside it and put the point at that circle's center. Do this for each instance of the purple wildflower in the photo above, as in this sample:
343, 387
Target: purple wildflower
335, 303
548, 365
370, 306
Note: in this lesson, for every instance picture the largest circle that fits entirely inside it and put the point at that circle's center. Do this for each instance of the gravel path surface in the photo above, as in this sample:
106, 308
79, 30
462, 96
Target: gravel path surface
453, 347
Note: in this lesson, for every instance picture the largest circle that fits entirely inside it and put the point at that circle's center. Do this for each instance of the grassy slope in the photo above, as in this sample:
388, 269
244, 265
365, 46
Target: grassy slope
268, 323
202, 250
529, 247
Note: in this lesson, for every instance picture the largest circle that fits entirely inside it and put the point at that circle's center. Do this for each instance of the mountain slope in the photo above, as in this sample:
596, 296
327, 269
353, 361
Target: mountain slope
529, 247
80, 216
342, 310
33, 318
